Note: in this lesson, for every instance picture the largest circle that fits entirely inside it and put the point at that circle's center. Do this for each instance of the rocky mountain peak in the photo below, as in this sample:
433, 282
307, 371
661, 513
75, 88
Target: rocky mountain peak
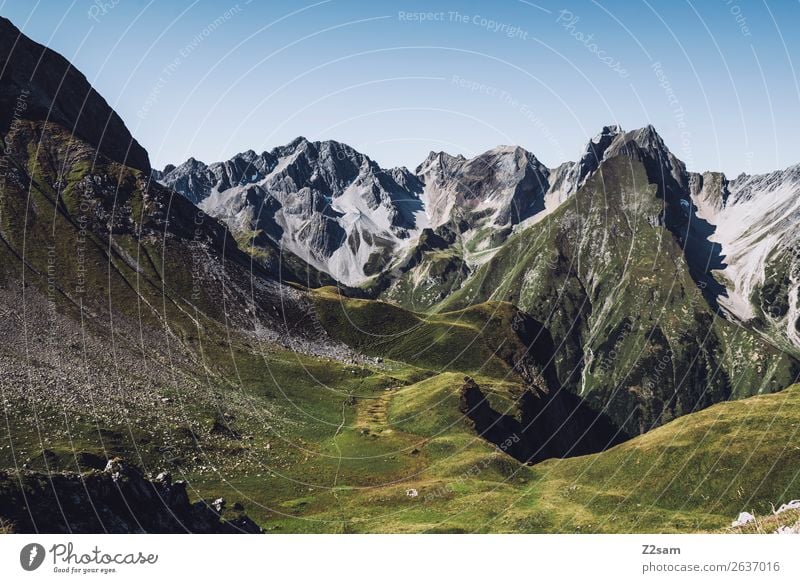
572, 178
439, 161
647, 144
324, 201
51, 89
193, 164
648, 138
607, 131
298, 144
644, 145
500, 187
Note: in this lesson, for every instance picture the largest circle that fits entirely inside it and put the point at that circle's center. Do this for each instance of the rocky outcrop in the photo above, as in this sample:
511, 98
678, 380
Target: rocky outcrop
117, 499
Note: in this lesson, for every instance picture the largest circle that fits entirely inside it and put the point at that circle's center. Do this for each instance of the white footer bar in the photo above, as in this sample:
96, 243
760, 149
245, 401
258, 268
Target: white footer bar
400, 558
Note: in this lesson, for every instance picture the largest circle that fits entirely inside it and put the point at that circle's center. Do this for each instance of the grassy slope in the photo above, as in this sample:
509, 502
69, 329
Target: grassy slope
694, 473
140, 277
346, 442
476, 340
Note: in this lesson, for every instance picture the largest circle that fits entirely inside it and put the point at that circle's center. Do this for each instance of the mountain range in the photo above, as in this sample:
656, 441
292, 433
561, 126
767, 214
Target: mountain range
293, 329
365, 226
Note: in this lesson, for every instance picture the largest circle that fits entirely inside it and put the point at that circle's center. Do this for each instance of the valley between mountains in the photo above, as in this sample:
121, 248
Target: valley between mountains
472, 345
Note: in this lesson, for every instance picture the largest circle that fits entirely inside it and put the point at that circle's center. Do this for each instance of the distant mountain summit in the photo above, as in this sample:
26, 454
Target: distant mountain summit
499, 188
323, 201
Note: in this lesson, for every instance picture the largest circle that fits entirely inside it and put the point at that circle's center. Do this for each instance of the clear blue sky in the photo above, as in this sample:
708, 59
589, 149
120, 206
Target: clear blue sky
718, 79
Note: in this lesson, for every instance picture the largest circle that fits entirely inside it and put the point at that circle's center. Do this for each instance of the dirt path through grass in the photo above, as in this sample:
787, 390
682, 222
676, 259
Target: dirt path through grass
372, 413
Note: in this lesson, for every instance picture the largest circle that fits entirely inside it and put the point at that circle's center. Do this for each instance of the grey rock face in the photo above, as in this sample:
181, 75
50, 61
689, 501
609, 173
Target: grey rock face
502, 186
195, 180
323, 201
755, 222
342, 213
